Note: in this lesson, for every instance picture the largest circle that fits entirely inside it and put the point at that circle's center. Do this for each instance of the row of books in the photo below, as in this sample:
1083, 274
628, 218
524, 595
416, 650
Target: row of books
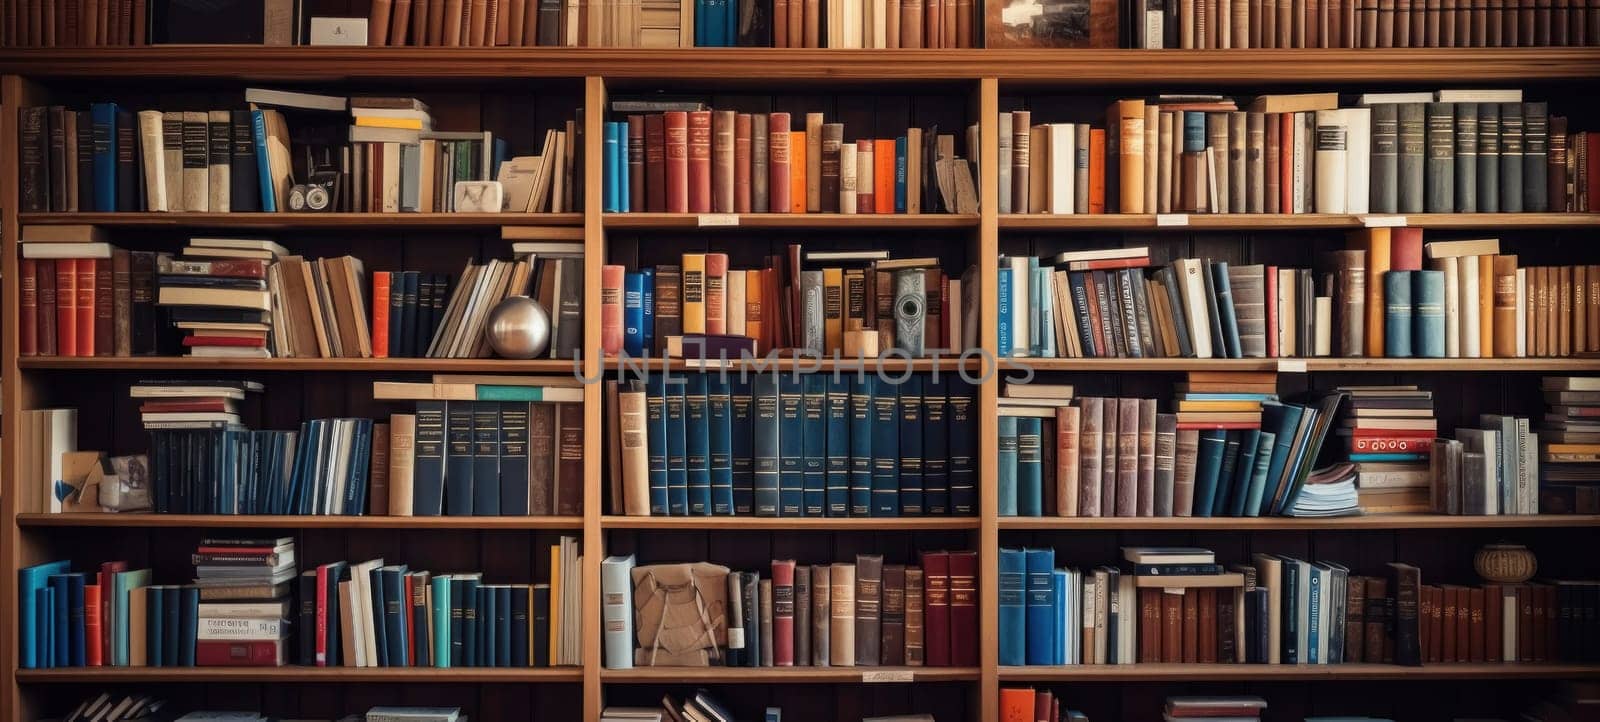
1025, 704
861, 614
701, 308
692, 159
702, 706
1358, 24
74, 23
1570, 455
452, 23
129, 707
1445, 152
550, 273
796, 446
834, 24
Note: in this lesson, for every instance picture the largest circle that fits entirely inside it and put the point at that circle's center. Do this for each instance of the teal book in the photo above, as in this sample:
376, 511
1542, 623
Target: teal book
677, 449
935, 448
121, 584
1282, 420
1397, 314
1013, 622
1243, 472
1030, 470
1250, 501
962, 432
1047, 327
1387, 456
900, 174
885, 448
458, 466
742, 425
459, 604
791, 445
837, 442
911, 456
861, 466
1427, 314
764, 395
1041, 606
1208, 466
656, 441
1007, 466
1226, 473
697, 445
440, 630
30, 580
719, 402
486, 458
1314, 601
1035, 308
1004, 320
497, 392
814, 463
1223, 288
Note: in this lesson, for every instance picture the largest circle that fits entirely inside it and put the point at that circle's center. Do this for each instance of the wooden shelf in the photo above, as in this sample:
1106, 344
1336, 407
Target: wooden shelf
796, 221
790, 363
263, 521
331, 675
787, 675
1344, 523
764, 66
1287, 222
294, 221
756, 523
1291, 672
1296, 365
189, 363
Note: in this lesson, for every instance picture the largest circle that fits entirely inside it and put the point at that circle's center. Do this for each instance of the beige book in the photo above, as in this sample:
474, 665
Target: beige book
350, 652
1324, 326
402, 462
847, 178
1040, 168
1152, 163
635, 455
218, 177
171, 159
1451, 268
196, 189
814, 162
842, 632
1063, 169
1288, 314
736, 303
154, 158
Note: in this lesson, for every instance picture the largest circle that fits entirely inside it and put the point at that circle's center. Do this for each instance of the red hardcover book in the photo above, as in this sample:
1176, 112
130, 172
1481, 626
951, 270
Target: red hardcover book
92, 651
700, 161
1381, 433
883, 159
636, 162
108, 570
722, 161
1149, 625
1109, 263
611, 278
1383, 445
1272, 312
1476, 624
411, 625
655, 163
236, 341
1445, 632
105, 343
261, 653
936, 608
783, 613
28, 325
1042, 703
1207, 603
741, 163
676, 131
964, 609
716, 293
778, 182
323, 582
88, 278
67, 306
45, 317
1405, 249
380, 314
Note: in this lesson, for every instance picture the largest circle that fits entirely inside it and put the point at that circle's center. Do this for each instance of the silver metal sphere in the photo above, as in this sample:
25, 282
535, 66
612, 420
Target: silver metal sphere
519, 328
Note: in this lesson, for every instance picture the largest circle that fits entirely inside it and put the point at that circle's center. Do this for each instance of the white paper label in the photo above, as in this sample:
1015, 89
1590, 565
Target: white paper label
1291, 366
718, 219
887, 675
708, 363
1383, 221
1172, 219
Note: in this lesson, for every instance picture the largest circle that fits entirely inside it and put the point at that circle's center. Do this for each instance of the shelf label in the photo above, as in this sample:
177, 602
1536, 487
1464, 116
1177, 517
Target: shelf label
1291, 366
717, 219
887, 675
1383, 221
1171, 219
709, 363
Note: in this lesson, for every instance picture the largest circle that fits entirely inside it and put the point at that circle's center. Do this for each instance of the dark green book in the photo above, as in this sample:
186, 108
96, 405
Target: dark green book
1535, 149
1488, 157
1410, 178
1466, 163
1441, 172
1511, 157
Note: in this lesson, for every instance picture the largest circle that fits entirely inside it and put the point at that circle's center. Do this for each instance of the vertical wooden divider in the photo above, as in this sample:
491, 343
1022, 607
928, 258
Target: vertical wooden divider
594, 249
989, 394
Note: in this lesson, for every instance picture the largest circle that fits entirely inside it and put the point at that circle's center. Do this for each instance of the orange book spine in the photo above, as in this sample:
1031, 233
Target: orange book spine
1016, 705
611, 278
883, 157
754, 309
1286, 189
380, 314
797, 171
92, 651
1097, 170
1486, 306
1376, 243
716, 293
85, 305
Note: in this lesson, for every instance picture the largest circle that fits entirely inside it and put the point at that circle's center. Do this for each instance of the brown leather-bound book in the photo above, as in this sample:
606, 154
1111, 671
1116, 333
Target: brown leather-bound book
1479, 24
779, 185
1511, 24
1355, 617
1504, 269
122, 301
1402, 23
1558, 24
1186, 19
1127, 444
1128, 149
910, 25
1475, 609
1528, 22
1164, 165
1591, 314
866, 176
780, 23
1539, 308
1447, 634
811, 24
869, 599
516, 22
675, 131
1494, 24
741, 163
1184, 460
722, 161
1149, 625
1377, 621
1090, 430
821, 614
1311, 23
1206, 602
1213, 20
1429, 636
1541, 621
1449, 25
569, 466
1191, 627
1563, 312
1066, 445
1494, 622
1287, 22
933, 23
1556, 165
893, 648
832, 138
1437, 627
760, 165
1273, 180
1145, 451
636, 161
950, 22
1524, 601
1172, 625
796, 23
1021, 159
1432, 15
915, 617
699, 140
104, 301
1386, 23
1580, 309
1419, 22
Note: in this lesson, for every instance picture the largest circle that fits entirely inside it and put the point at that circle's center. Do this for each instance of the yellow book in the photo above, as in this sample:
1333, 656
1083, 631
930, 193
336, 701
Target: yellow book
1219, 405
555, 602
694, 293
403, 123
833, 309
797, 171
754, 325
1486, 306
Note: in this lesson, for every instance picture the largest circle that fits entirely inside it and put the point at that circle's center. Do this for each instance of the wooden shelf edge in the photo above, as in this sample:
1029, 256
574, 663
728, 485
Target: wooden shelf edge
1345, 523
1298, 365
330, 675
266, 521
301, 220
1291, 672
749, 523
734, 221
787, 675
190, 363
1295, 221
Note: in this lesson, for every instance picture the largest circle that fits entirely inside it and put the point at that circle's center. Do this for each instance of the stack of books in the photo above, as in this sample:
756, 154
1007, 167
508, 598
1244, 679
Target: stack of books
1491, 469
415, 714
217, 294
1570, 456
1025, 704
243, 597
1387, 432
1235, 708
116, 707
861, 614
1230, 400
687, 158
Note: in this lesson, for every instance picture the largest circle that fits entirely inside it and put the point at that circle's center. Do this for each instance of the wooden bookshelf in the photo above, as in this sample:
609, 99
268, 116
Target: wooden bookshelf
971, 85
846, 366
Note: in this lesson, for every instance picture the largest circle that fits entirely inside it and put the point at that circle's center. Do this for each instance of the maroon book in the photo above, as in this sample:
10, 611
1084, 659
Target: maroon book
700, 161
778, 188
964, 609
104, 319
46, 317
676, 131
636, 147
655, 163
936, 608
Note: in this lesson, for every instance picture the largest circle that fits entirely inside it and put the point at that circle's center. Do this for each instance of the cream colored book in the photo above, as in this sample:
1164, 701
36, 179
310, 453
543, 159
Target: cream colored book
635, 457
842, 631
1522, 312
1468, 328
1192, 289
218, 176
171, 159
1324, 326
1288, 314
1063, 167
196, 188
847, 178
736, 303
402, 462
1451, 268
154, 158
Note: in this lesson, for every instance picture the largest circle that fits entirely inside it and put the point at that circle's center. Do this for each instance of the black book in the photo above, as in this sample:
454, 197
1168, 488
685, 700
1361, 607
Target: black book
399, 339
1405, 582
755, 23
200, 314
569, 328
1466, 158
1535, 149
1441, 192
1412, 151
129, 179
142, 279
1510, 157
243, 284
34, 157
58, 158
1289, 582
85, 142
471, 619
749, 587
1219, 344
307, 631
541, 625
219, 143
1257, 635
458, 620
1230, 465
1384, 196
337, 572
550, 22
1488, 157
244, 183
172, 607
411, 310
502, 625
519, 626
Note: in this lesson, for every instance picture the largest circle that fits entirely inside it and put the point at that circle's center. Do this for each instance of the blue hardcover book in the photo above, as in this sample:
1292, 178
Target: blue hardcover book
742, 424
633, 315
488, 629
1041, 603
1208, 465
471, 611
1013, 607
861, 433
1427, 313
1250, 497
105, 155
156, 629
677, 449
458, 621
702, 24
1226, 473
765, 443
430, 451
1281, 420
45, 602
900, 174
719, 402
502, 625
182, 605
791, 445
513, 458
697, 444
961, 405
613, 165
1239, 490
1194, 132
624, 198
1230, 319
1314, 600
458, 458
1387, 456
60, 621
885, 448
258, 134
519, 625
935, 448
1059, 580
1397, 314
422, 640
486, 458
655, 404
360, 467
1030, 466
1004, 320
396, 607
730, 29
837, 443
647, 279
911, 455
380, 622
1047, 311
814, 463
1035, 307
76, 645
1007, 466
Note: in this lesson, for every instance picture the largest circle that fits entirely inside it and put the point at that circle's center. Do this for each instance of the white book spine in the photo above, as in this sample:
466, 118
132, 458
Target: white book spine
616, 588
1358, 158
1331, 161
1194, 306
1452, 305
1324, 326
1019, 305
1530, 464
847, 178
238, 629
1522, 312
154, 158
1470, 346
1063, 166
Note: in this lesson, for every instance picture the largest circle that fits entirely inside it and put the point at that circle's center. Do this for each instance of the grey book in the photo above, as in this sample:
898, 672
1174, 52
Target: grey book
1466, 157
1441, 192
1005, 162
1236, 163
1412, 151
910, 310
812, 337
802, 615
1535, 148
1248, 289
1510, 157
1383, 196
869, 591
821, 614
1166, 450
760, 194
1488, 158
